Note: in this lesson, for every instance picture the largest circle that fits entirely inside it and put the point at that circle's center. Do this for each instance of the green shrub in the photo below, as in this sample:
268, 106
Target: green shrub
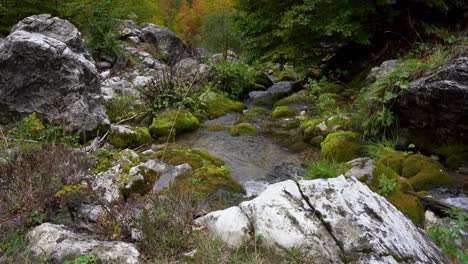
386, 185
120, 107
325, 169
29, 127
232, 77
450, 235
85, 259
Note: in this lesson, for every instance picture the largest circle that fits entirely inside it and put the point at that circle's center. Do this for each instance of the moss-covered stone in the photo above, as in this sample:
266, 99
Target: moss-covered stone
218, 127
242, 129
141, 186
342, 146
262, 79
250, 87
393, 160
261, 103
163, 123
282, 111
222, 106
287, 75
129, 137
252, 114
316, 141
424, 172
324, 125
195, 158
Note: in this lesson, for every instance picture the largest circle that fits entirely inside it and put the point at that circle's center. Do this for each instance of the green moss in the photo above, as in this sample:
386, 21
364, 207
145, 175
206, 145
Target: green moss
287, 75
251, 86
103, 164
261, 103
424, 172
162, 124
262, 79
342, 146
393, 160
316, 141
222, 106
242, 129
332, 123
310, 129
252, 114
208, 180
195, 158
300, 97
201, 115
282, 111
332, 88
140, 136
141, 186
218, 127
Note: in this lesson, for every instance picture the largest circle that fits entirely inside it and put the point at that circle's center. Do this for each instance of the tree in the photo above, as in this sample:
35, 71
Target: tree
219, 34
307, 31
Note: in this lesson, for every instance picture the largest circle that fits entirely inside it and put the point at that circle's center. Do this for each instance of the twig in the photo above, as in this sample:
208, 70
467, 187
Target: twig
412, 26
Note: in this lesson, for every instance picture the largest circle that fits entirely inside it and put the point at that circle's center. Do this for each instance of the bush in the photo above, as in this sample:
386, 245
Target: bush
120, 107
232, 77
30, 182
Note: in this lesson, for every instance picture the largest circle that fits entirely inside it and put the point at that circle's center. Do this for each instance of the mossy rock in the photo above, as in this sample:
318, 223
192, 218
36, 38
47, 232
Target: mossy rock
129, 137
332, 88
297, 98
287, 75
195, 158
162, 124
328, 124
222, 106
342, 146
261, 103
309, 127
393, 160
242, 129
201, 115
218, 127
207, 181
252, 114
250, 87
282, 111
141, 186
262, 79
425, 173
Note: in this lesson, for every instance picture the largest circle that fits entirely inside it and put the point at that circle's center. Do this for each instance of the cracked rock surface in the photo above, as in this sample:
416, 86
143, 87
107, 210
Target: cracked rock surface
332, 220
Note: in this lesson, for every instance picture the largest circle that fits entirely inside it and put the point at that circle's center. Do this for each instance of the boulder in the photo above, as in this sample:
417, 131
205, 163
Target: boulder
45, 68
331, 220
171, 46
438, 101
378, 73
57, 244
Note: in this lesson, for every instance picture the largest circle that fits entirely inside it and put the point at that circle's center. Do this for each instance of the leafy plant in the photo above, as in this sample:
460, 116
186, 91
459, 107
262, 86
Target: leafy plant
450, 235
232, 77
324, 169
85, 259
121, 107
376, 148
29, 127
386, 185
410, 151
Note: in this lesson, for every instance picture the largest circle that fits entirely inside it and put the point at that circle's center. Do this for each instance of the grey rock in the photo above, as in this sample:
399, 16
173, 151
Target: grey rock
135, 39
438, 101
57, 244
378, 73
148, 152
128, 29
103, 65
326, 219
171, 46
49, 73
362, 168
166, 178
142, 81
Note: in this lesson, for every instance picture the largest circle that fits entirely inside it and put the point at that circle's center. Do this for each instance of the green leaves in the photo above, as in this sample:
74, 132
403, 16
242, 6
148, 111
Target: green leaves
386, 185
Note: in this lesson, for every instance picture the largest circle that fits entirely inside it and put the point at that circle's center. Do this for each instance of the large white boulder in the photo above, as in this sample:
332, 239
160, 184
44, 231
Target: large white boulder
330, 220
57, 244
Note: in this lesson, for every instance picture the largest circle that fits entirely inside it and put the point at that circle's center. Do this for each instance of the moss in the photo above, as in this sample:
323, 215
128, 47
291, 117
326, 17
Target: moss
424, 172
310, 129
341, 146
332, 123
162, 124
218, 127
261, 103
201, 115
140, 136
222, 106
207, 181
316, 141
393, 160
242, 129
251, 86
296, 98
262, 79
282, 111
195, 158
252, 114
103, 164
408, 205
332, 88
287, 75
141, 186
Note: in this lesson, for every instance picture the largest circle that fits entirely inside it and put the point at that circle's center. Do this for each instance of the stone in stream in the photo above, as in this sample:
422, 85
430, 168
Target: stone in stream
329, 220
57, 244
45, 68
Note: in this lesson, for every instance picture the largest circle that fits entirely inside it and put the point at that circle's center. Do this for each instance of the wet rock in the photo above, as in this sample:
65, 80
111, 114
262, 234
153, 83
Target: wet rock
45, 68
438, 101
166, 178
286, 171
327, 219
362, 168
57, 244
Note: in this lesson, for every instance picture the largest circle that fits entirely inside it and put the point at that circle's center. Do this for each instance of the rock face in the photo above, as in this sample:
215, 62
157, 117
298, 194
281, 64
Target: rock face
45, 68
172, 47
57, 244
438, 101
331, 220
